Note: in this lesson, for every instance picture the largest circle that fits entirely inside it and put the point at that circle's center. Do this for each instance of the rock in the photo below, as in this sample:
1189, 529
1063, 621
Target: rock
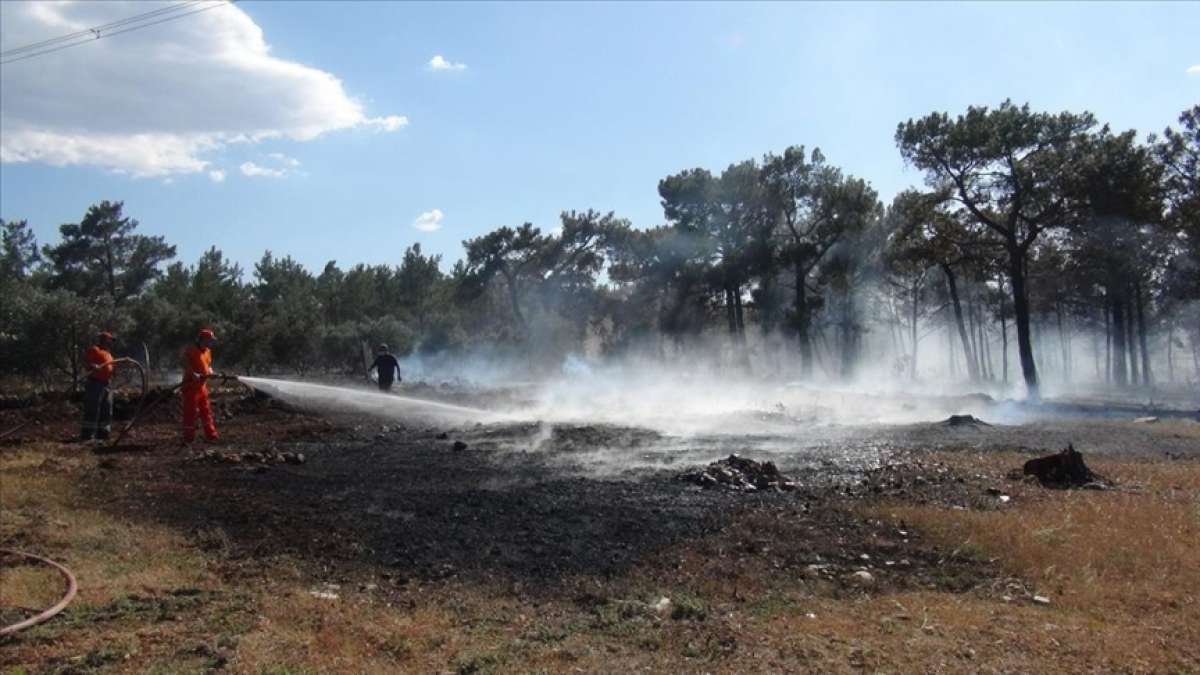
459, 446
662, 606
443, 436
814, 571
861, 578
1041, 600
1145, 420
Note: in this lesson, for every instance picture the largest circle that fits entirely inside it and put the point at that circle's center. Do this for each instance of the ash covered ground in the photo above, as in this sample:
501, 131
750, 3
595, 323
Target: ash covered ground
515, 484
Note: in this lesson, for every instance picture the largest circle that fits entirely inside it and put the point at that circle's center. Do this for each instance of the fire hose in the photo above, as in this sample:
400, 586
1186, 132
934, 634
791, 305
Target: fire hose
147, 406
72, 588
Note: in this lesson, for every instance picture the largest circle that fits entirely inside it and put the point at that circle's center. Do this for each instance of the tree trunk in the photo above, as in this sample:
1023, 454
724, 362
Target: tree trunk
951, 356
766, 310
741, 317
1196, 357
802, 324
1120, 376
1108, 360
973, 332
730, 313
1064, 343
952, 285
849, 336
1003, 337
985, 353
985, 340
1131, 343
1016, 274
1147, 379
916, 297
1170, 352
514, 298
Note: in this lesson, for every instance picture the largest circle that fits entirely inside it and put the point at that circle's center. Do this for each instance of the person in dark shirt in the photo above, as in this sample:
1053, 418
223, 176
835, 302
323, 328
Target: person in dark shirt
387, 365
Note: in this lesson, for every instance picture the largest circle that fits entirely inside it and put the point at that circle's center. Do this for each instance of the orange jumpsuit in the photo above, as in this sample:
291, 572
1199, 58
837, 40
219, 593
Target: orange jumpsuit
196, 360
97, 398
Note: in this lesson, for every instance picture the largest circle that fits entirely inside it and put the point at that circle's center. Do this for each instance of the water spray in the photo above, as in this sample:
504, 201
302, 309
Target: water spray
369, 401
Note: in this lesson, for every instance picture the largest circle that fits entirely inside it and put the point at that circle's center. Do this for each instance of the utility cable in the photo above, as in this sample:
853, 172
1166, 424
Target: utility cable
91, 32
101, 32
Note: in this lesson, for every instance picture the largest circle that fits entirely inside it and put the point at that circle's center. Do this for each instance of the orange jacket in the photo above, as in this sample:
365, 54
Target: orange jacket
95, 356
196, 360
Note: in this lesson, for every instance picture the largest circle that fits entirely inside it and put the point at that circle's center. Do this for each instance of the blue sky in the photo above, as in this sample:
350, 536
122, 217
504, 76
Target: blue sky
559, 106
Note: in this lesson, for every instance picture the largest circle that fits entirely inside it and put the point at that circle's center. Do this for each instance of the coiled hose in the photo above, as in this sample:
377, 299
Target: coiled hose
72, 588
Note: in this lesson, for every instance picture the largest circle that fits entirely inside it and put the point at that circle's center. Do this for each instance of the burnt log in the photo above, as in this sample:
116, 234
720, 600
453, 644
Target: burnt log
1065, 469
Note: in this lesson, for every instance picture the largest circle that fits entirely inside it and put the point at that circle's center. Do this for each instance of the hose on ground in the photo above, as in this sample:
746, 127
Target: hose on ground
142, 405
72, 588
146, 407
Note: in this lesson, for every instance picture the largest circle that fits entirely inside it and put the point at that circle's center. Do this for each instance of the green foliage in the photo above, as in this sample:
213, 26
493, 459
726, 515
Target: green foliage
102, 257
1027, 215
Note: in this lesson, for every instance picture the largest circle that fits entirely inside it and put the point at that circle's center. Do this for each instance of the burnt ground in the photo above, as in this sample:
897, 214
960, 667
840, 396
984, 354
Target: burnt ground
555, 511
519, 504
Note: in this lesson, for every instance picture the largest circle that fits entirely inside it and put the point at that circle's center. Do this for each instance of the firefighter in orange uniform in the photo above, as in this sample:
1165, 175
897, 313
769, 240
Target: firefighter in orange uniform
97, 398
197, 368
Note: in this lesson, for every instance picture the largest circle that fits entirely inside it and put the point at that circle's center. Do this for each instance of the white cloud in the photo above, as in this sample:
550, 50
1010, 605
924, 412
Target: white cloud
252, 169
284, 159
429, 221
159, 102
389, 123
1194, 70
438, 62
217, 175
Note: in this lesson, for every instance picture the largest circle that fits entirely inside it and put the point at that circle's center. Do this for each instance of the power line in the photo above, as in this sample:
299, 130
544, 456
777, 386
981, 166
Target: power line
106, 30
91, 32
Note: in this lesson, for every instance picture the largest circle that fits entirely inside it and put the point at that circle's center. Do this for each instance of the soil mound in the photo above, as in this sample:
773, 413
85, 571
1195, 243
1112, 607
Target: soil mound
740, 475
964, 421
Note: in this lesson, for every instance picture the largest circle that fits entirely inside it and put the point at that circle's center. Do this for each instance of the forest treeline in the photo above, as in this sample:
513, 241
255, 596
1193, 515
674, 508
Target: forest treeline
1036, 239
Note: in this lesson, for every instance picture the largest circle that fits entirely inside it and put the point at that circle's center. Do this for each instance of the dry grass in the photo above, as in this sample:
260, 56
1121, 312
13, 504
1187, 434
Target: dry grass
1123, 565
1122, 569
126, 569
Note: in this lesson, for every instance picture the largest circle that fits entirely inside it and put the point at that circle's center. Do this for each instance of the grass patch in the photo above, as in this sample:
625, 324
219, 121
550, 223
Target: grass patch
1124, 562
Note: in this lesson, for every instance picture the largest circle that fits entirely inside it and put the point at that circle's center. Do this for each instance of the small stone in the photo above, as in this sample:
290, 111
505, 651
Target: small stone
443, 436
814, 571
861, 578
459, 446
1041, 600
1146, 420
663, 605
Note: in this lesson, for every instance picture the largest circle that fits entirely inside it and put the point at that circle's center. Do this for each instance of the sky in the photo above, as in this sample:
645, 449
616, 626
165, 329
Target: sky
350, 131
